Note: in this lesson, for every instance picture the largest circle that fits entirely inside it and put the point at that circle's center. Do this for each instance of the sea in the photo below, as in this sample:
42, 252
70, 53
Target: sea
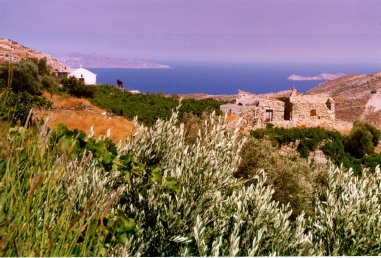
224, 78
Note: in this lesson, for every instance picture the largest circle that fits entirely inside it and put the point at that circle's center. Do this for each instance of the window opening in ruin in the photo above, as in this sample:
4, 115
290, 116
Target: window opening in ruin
240, 104
313, 112
269, 115
329, 104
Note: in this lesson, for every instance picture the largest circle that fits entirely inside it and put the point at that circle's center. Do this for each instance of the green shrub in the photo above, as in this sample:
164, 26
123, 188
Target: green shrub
295, 181
30, 75
362, 139
16, 107
306, 139
21, 76
50, 84
372, 161
43, 67
21, 86
76, 88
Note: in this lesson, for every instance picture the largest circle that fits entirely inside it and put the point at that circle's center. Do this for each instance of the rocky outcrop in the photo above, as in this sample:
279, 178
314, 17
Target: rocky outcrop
11, 51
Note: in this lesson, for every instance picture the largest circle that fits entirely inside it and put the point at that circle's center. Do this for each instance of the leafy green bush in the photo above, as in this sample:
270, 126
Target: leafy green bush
50, 84
21, 86
362, 139
295, 181
307, 139
16, 107
76, 88
30, 75
21, 76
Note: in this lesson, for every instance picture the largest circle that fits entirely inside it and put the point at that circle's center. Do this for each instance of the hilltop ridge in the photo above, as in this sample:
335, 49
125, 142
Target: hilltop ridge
12, 51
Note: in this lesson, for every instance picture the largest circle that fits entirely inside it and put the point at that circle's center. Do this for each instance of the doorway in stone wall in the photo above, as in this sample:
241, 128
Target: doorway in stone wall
287, 110
269, 115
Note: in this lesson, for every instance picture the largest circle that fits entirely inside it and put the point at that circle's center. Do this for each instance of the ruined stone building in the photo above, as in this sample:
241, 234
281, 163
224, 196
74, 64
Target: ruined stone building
257, 110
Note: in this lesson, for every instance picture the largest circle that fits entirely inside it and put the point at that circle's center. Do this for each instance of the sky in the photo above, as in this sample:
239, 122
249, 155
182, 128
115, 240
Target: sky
313, 31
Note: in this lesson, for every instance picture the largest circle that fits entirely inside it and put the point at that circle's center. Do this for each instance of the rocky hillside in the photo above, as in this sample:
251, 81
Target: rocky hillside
11, 51
357, 97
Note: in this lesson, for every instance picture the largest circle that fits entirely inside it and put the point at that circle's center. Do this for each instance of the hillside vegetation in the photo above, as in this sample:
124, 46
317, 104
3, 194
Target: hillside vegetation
146, 107
64, 194
356, 150
149, 107
168, 191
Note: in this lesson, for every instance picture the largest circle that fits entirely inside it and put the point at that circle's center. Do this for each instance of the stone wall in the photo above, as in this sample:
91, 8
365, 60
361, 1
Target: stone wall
296, 110
264, 110
276, 106
311, 107
231, 109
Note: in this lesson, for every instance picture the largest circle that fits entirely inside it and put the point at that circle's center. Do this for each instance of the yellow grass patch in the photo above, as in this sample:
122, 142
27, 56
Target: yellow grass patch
232, 118
65, 101
84, 116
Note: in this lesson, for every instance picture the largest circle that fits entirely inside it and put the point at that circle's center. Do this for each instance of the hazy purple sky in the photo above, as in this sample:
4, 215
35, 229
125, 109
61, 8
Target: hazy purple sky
200, 30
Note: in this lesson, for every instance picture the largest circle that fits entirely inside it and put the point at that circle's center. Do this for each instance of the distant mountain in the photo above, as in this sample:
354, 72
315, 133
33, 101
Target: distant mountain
11, 51
100, 61
357, 97
322, 76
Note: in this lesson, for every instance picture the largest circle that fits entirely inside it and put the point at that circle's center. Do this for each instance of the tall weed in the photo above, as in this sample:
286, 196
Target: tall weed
51, 204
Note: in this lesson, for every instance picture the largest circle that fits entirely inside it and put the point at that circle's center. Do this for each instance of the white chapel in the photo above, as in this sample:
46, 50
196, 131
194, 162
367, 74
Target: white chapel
85, 75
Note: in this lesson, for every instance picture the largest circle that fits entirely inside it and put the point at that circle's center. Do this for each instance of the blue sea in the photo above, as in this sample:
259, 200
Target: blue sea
224, 78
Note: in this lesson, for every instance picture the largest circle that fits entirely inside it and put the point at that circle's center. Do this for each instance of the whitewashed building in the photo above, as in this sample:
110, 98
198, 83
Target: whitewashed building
84, 75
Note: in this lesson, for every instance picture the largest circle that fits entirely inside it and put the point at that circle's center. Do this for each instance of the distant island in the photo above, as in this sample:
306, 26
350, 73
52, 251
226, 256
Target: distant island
320, 77
101, 61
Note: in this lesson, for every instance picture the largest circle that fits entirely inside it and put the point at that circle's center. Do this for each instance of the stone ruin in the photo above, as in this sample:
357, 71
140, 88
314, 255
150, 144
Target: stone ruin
285, 111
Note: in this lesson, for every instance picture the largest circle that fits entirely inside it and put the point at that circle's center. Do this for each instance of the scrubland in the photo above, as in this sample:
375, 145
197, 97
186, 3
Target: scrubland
187, 184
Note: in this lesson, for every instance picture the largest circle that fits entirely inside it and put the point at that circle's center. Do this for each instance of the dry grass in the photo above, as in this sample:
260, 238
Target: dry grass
82, 115
64, 101
233, 118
